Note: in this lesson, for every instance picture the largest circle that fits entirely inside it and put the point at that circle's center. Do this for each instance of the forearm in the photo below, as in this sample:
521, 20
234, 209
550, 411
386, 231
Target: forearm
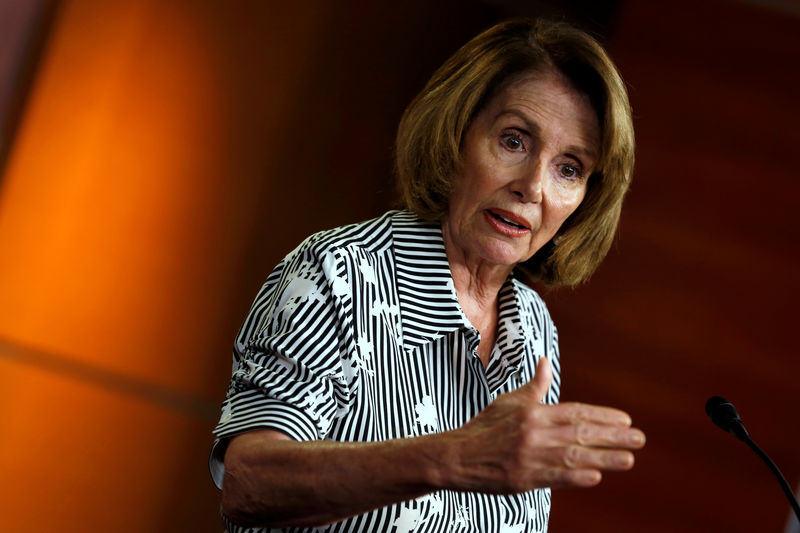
277, 483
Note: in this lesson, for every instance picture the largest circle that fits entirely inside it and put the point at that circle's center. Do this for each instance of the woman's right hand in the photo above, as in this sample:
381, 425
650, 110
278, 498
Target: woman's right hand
518, 443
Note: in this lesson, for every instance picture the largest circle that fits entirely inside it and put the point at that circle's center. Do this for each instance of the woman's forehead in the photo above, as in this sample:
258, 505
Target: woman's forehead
547, 99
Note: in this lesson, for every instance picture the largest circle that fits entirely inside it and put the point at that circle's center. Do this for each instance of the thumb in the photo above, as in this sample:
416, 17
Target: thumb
540, 383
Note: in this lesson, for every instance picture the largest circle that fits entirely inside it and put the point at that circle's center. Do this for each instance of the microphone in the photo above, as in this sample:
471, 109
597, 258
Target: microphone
723, 414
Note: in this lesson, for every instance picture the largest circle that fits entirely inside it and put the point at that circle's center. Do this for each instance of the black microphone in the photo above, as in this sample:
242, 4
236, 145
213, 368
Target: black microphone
723, 414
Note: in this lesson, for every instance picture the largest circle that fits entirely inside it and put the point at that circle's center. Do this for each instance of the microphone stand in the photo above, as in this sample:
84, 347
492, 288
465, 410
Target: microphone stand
772, 466
724, 415
737, 428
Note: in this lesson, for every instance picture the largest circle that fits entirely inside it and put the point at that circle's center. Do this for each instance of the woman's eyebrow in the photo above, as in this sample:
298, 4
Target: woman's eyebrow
532, 127
581, 152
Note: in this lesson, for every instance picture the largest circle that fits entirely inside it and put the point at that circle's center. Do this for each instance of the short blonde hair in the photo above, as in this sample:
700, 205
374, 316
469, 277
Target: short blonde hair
427, 153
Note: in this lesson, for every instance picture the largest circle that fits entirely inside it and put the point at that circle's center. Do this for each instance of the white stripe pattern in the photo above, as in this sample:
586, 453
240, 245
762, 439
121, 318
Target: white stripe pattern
357, 335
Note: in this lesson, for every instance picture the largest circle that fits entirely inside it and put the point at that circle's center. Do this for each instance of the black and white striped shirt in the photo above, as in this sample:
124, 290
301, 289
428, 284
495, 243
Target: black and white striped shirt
357, 335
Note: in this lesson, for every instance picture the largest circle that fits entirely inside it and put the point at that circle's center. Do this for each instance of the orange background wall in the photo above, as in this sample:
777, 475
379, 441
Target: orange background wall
169, 153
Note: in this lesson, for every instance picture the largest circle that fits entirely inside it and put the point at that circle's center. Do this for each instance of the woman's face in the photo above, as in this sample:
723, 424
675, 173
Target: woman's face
526, 159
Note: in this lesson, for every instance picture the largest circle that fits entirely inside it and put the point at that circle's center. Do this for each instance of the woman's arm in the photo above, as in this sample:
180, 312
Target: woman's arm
271, 480
514, 445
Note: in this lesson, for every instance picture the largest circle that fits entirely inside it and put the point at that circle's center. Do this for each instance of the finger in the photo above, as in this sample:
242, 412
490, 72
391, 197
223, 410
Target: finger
595, 435
582, 478
542, 378
576, 413
581, 458
559, 477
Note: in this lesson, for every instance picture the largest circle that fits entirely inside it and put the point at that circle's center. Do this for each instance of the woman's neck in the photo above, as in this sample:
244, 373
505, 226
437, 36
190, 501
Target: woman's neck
478, 284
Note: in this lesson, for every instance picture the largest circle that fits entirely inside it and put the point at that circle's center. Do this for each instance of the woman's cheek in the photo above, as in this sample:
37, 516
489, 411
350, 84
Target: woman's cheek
567, 197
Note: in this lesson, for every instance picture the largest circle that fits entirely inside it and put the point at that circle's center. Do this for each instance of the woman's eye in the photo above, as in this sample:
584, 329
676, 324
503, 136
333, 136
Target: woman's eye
512, 142
570, 171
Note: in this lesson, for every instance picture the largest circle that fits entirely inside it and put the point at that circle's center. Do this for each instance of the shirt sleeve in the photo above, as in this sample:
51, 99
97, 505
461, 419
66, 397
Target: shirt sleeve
290, 370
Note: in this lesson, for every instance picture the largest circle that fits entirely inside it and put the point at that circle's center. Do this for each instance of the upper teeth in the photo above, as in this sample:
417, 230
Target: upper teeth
504, 219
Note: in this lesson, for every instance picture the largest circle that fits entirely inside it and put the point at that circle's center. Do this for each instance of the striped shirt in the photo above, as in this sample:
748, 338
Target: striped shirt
357, 335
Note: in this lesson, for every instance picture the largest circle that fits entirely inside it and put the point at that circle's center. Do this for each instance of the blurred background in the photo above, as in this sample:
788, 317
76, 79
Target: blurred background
159, 157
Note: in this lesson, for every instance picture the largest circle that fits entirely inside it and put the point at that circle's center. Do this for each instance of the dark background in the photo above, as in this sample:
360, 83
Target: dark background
158, 158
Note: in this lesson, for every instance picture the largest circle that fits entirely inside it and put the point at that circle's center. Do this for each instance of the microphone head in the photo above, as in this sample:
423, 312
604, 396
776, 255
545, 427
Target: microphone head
723, 414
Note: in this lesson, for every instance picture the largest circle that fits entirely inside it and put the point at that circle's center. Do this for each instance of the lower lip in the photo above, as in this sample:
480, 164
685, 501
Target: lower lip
503, 228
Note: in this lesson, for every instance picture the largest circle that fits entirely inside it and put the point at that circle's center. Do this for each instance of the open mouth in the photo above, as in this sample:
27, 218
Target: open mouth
507, 221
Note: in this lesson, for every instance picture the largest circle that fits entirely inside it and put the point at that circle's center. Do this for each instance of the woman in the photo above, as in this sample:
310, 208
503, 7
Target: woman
395, 375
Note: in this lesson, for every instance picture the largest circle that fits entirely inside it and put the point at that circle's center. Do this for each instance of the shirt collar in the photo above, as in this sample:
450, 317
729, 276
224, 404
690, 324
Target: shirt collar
428, 305
511, 335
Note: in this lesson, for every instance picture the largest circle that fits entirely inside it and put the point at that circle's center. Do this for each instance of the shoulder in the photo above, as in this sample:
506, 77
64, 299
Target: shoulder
326, 249
370, 236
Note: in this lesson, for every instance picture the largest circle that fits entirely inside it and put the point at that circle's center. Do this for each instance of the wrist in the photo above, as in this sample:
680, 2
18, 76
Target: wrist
436, 452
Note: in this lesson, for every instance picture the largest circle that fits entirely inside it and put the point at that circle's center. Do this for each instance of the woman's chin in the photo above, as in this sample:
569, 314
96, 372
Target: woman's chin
489, 249
503, 253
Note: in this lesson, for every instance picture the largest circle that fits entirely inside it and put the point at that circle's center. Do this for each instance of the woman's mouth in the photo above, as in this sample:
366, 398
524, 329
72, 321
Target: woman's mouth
509, 218
507, 223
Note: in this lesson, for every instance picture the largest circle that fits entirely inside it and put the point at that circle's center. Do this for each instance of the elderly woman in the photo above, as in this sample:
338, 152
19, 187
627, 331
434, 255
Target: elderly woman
396, 375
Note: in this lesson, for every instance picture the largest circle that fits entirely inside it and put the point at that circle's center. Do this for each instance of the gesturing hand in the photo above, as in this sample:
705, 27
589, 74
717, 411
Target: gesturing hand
517, 443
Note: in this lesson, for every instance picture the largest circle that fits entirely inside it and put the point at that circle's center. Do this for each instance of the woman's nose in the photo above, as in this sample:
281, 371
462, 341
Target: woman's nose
528, 184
